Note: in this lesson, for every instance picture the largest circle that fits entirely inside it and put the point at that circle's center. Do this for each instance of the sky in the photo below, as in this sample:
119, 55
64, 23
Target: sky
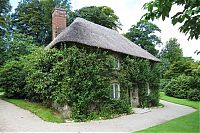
130, 12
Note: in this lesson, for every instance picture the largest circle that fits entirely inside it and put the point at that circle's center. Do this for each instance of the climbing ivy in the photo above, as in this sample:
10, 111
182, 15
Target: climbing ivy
81, 78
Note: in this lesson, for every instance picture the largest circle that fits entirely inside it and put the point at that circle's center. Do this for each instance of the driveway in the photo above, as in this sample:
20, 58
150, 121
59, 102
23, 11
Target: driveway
13, 118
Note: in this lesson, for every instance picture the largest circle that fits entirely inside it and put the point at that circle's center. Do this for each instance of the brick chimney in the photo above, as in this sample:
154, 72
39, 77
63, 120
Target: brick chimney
58, 21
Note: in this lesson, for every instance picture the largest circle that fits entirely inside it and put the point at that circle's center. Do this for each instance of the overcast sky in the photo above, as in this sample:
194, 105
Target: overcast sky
130, 12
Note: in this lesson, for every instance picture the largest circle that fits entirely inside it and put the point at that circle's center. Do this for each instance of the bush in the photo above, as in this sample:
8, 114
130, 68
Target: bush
163, 83
194, 94
179, 87
183, 87
12, 79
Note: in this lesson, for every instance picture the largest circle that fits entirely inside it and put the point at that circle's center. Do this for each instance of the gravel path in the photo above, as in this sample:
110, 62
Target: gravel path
13, 118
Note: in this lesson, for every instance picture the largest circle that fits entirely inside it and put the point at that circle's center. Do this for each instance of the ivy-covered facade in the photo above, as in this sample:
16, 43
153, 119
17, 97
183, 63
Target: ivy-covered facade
112, 81
105, 73
87, 72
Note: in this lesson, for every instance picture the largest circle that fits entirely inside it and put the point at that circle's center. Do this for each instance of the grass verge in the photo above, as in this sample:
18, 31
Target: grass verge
185, 124
41, 111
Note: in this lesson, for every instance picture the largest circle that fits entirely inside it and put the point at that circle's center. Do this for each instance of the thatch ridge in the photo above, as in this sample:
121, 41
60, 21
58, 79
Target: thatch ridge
88, 33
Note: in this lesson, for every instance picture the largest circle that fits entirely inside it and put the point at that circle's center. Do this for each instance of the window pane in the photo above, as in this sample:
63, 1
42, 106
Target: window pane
113, 85
116, 90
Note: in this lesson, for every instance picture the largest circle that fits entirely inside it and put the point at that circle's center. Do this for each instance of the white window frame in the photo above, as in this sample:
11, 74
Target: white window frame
148, 90
118, 63
116, 91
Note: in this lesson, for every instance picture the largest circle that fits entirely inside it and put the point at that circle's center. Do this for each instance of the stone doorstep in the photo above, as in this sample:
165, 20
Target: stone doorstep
141, 110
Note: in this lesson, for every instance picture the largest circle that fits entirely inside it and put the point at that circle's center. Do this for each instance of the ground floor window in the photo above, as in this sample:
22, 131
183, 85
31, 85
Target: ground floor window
116, 90
148, 89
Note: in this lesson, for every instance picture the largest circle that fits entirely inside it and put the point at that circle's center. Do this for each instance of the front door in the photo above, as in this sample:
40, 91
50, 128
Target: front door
133, 94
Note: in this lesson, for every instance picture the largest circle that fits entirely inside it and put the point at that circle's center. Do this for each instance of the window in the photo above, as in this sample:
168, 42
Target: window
148, 89
116, 63
116, 90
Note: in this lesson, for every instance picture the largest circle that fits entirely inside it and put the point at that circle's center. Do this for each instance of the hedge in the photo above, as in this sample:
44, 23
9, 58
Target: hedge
187, 87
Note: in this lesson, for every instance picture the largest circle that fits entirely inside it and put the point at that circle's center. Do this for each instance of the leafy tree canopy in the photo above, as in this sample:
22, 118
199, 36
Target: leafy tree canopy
143, 34
189, 17
33, 17
4, 9
172, 51
15, 47
185, 66
102, 15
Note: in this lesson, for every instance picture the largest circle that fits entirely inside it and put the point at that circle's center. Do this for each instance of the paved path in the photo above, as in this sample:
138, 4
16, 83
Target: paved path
13, 118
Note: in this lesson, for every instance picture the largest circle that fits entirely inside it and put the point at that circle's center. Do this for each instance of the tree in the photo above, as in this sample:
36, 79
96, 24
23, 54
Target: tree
170, 54
102, 15
4, 9
33, 17
16, 46
143, 34
172, 51
183, 66
189, 17
28, 19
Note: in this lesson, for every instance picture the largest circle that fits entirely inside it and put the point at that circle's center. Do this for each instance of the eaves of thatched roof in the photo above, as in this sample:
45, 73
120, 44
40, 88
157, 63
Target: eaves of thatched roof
87, 33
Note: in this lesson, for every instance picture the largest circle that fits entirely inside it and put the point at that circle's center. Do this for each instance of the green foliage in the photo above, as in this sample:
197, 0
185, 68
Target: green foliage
28, 19
144, 72
180, 73
194, 94
163, 83
172, 51
81, 79
19, 45
2, 52
184, 87
12, 79
14, 47
189, 16
34, 18
183, 78
183, 66
178, 87
102, 15
4, 9
143, 34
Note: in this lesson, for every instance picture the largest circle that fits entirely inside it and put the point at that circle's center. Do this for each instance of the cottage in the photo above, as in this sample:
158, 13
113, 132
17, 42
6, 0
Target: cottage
89, 34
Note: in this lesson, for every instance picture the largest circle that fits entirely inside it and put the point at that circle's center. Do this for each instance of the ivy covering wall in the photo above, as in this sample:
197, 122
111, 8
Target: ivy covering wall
80, 78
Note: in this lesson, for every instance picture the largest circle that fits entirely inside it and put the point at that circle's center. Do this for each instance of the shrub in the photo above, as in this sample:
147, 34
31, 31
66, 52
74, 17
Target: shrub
194, 94
184, 87
163, 83
12, 79
179, 86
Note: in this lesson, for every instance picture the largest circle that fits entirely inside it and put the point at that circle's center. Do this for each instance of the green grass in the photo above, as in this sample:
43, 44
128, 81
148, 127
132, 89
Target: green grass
41, 111
185, 124
180, 101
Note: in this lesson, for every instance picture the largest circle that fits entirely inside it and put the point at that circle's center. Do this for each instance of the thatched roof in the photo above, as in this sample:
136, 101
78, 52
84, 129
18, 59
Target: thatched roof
87, 33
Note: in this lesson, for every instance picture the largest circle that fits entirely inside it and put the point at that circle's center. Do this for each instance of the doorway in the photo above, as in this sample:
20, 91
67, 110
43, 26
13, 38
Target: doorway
133, 95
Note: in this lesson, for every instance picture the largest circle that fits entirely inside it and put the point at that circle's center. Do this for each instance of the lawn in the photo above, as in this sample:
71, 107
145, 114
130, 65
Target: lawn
41, 111
188, 123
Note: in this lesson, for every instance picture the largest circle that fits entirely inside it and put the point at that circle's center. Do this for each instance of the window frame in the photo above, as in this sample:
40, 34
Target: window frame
115, 91
148, 89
